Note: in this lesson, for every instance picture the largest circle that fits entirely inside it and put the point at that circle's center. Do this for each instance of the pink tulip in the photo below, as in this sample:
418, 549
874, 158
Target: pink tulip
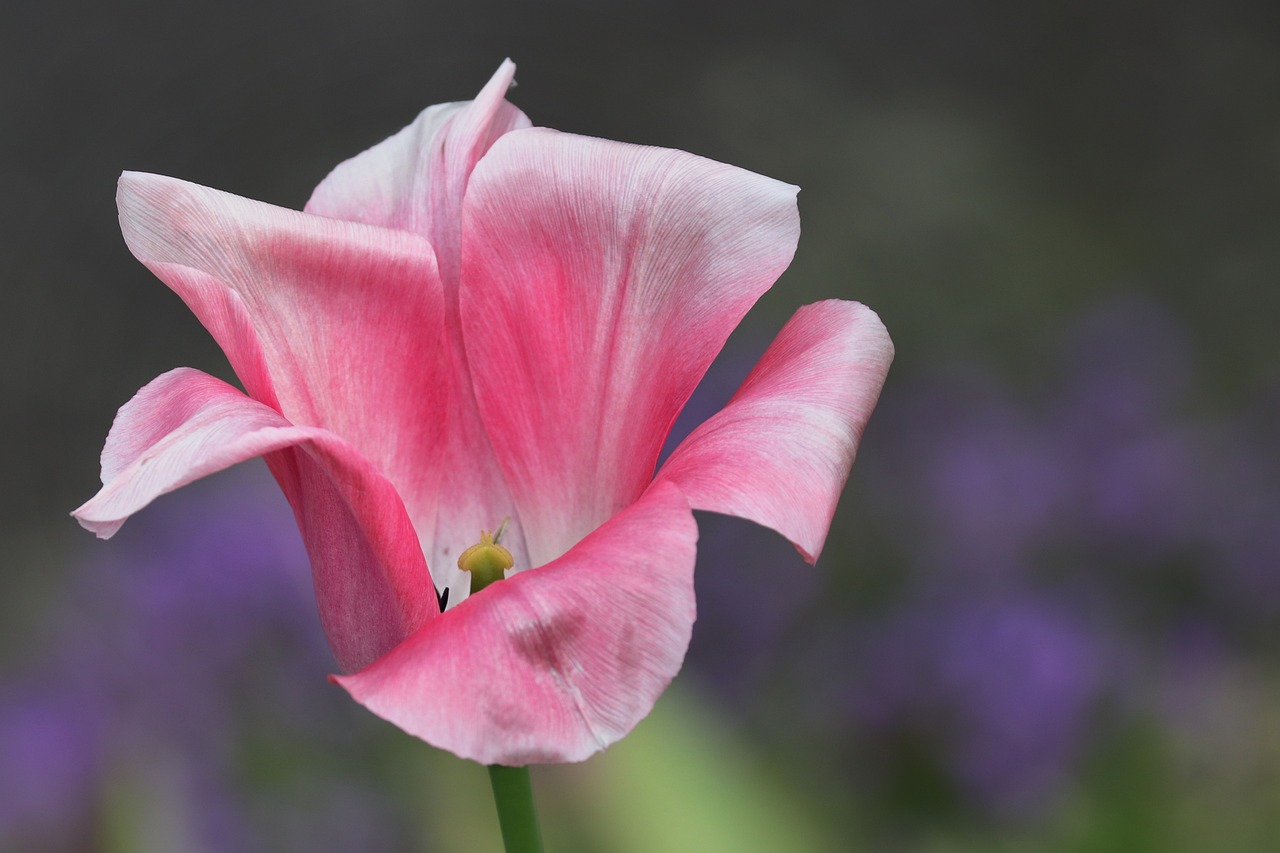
474, 320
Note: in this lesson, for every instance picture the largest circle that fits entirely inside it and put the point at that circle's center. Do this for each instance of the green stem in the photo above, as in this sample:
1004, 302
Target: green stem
513, 794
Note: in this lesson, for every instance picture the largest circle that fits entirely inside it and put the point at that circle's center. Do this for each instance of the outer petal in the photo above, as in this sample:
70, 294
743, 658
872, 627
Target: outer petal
599, 281
372, 584
415, 181
553, 664
339, 325
780, 452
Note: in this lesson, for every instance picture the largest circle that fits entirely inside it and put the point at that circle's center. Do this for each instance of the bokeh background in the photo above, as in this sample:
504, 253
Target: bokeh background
1046, 618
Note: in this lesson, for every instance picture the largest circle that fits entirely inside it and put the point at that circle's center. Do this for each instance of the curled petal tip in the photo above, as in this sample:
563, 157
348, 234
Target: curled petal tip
103, 529
779, 453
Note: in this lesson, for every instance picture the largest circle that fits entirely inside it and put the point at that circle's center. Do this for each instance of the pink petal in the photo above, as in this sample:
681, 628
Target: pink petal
599, 281
780, 452
415, 181
339, 325
389, 184
556, 663
221, 310
372, 583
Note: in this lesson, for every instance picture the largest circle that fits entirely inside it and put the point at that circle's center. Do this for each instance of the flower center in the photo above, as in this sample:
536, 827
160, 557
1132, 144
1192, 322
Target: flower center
486, 561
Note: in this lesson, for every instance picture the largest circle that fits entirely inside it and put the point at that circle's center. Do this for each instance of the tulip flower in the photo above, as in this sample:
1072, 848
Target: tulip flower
474, 321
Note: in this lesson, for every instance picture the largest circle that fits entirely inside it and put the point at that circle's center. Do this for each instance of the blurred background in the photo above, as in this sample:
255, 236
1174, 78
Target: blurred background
1046, 618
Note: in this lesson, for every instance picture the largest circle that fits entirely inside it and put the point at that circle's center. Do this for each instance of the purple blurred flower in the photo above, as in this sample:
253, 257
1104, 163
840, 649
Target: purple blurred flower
744, 569
1239, 521
1054, 546
49, 758
970, 478
1003, 686
183, 641
1024, 675
171, 621
1131, 453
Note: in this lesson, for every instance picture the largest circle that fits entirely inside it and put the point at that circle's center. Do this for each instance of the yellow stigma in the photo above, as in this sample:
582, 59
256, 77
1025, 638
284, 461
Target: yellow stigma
486, 561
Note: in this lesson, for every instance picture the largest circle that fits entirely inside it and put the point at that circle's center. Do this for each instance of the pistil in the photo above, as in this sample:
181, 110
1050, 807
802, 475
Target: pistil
486, 561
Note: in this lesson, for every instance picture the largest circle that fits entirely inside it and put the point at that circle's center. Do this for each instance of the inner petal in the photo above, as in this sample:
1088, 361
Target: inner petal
599, 280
